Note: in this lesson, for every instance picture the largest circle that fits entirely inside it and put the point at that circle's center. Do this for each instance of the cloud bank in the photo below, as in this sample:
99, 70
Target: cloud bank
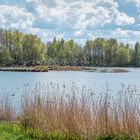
78, 19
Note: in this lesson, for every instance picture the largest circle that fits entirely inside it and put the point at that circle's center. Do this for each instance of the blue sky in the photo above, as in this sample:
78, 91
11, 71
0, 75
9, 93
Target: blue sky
77, 19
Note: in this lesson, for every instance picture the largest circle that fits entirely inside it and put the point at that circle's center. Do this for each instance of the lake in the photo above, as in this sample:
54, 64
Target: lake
15, 83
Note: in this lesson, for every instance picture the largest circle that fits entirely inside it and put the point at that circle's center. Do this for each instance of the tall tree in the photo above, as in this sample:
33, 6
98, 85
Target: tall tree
137, 54
33, 50
5, 57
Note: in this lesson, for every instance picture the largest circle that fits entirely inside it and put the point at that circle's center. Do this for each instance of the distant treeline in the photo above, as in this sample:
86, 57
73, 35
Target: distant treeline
18, 49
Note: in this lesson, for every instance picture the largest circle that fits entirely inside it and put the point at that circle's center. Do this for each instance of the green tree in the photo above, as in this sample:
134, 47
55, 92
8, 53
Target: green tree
88, 50
110, 51
123, 56
33, 50
137, 54
5, 57
17, 49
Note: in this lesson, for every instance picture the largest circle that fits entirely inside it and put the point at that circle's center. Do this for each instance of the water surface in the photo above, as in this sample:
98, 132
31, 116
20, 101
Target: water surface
16, 83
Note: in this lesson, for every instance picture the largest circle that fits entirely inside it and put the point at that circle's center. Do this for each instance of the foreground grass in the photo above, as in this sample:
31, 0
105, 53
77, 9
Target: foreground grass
12, 131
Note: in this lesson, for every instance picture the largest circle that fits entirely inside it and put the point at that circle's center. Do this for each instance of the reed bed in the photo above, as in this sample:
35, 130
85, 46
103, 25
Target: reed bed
87, 114
80, 112
6, 110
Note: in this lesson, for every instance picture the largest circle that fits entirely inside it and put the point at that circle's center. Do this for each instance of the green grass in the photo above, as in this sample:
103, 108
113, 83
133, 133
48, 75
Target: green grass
10, 131
13, 131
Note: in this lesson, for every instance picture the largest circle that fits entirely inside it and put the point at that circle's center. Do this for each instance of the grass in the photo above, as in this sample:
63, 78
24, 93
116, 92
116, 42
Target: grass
70, 117
87, 116
40, 68
65, 68
26, 69
45, 68
90, 69
12, 131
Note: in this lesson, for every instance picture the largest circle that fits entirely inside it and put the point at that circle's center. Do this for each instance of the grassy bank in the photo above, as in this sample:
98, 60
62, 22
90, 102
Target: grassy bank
26, 69
64, 68
89, 69
70, 117
13, 131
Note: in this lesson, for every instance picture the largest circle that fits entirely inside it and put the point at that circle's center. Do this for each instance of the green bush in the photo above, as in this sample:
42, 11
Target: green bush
40, 68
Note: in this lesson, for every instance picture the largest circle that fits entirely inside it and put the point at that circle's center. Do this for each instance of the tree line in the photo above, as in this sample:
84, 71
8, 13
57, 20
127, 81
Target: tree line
18, 49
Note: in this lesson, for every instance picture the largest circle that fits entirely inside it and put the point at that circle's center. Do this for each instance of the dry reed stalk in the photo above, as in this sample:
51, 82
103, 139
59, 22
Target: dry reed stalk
6, 109
85, 115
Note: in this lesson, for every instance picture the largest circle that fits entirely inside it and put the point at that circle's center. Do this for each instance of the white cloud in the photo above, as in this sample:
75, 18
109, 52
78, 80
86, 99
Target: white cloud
78, 16
15, 17
40, 32
123, 19
126, 33
78, 33
79, 19
121, 32
44, 34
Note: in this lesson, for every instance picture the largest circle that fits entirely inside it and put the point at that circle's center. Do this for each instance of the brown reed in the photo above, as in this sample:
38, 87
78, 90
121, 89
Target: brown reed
84, 113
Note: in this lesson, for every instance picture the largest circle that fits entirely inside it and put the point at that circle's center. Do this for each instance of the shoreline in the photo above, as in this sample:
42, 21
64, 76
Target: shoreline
25, 69
66, 68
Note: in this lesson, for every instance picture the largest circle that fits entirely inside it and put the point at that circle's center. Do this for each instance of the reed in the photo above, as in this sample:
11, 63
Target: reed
83, 113
6, 109
75, 114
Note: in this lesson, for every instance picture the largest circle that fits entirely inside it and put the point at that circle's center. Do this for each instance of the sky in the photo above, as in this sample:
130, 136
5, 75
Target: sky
76, 19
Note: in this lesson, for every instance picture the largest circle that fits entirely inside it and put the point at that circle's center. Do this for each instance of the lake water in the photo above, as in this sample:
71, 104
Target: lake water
16, 82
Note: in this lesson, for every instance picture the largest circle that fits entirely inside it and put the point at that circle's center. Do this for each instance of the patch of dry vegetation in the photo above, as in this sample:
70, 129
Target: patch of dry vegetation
86, 115
119, 70
39, 68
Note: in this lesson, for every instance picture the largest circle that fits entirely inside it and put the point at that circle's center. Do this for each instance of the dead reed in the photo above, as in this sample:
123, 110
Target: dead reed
6, 110
80, 112
76, 111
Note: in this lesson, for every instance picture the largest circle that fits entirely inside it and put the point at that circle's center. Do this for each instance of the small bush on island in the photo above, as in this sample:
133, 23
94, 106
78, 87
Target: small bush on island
119, 70
40, 68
